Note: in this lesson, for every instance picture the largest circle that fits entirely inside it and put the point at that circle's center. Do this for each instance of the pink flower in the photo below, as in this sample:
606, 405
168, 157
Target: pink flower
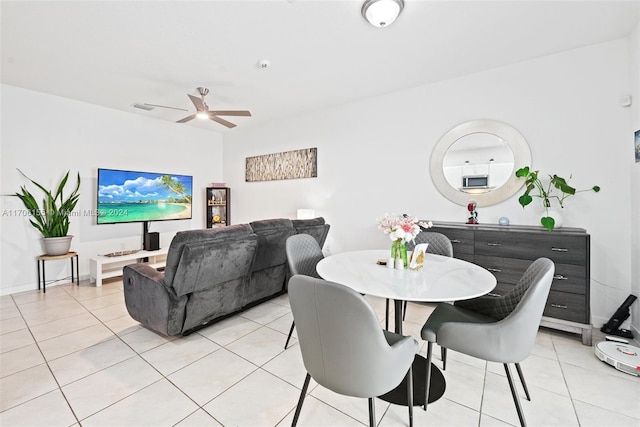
401, 227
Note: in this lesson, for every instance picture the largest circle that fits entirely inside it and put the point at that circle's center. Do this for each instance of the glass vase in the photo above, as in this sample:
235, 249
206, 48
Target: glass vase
399, 251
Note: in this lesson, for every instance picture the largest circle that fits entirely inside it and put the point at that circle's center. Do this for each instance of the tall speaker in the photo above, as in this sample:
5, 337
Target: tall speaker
152, 241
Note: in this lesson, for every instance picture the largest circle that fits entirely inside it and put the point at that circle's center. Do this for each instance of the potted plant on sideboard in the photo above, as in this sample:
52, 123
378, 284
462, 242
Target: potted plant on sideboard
550, 218
52, 218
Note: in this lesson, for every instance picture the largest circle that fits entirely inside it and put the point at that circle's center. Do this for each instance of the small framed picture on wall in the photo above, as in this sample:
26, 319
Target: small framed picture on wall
637, 146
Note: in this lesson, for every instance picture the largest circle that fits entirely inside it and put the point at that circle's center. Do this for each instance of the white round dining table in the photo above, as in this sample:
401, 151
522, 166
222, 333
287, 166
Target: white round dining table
441, 279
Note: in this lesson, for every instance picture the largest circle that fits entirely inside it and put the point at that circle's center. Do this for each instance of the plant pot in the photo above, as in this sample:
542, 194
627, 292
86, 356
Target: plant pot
57, 245
556, 214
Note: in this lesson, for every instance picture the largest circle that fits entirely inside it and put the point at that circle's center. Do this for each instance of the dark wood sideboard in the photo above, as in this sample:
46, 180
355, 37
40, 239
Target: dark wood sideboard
507, 251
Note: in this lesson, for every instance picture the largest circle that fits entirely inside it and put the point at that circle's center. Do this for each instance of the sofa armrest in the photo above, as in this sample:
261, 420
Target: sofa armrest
152, 303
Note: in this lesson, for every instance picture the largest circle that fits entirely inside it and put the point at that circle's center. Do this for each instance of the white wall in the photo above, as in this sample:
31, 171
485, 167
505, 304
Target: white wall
634, 51
373, 156
45, 136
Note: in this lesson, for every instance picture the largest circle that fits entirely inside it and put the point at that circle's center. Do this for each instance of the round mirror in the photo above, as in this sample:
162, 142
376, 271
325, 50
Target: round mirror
477, 160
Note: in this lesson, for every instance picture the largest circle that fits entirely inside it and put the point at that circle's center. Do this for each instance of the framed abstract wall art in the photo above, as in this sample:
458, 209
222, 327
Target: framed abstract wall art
285, 165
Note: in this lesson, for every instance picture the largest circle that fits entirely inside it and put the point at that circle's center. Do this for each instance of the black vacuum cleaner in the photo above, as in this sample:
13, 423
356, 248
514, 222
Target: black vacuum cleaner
612, 327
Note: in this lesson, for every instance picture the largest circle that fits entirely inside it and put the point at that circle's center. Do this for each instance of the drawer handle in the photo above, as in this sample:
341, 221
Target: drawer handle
491, 294
560, 277
559, 306
560, 250
493, 244
494, 270
455, 241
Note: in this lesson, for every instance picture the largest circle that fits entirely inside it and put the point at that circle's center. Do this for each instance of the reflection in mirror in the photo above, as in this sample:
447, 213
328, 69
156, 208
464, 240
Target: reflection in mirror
477, 160
478, 163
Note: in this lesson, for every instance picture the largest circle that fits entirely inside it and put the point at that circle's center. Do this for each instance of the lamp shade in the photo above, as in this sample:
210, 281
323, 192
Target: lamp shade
306, 214
382, 13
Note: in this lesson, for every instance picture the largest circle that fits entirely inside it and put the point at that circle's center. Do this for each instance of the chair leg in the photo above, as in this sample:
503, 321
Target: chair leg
386, 317
427, 382
524, 384
301, 400
514, 393
410, 394
372, 412
443, 355
404, 311
293, 325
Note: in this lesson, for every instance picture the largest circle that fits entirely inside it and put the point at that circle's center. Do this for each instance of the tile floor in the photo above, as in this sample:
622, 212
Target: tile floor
75, 357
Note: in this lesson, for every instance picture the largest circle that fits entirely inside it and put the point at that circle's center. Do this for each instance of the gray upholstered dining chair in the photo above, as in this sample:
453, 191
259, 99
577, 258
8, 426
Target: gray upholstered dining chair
343, 346
439, 244
481, 335
303, 254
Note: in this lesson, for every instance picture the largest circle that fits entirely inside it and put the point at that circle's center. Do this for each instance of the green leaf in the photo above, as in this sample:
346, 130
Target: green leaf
548, 222
522, 172
524, 200
596, 188
561, 184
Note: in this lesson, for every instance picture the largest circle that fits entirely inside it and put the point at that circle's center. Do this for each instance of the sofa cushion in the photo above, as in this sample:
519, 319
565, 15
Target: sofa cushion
272, 235
193, 237
315, 227
209, 263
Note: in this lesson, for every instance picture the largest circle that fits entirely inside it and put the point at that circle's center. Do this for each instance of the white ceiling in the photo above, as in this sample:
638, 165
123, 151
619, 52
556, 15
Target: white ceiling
322, 53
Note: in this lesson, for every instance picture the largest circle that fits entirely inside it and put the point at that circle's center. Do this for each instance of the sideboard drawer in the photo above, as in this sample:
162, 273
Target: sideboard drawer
563, 305
506, 270
567, 277
570, 278
461, 240
560, 249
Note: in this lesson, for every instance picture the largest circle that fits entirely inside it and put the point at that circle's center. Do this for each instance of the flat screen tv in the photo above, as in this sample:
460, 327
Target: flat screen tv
129, 196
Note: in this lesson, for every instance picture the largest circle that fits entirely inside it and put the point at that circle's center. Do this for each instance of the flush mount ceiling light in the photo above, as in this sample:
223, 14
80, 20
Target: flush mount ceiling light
382, 13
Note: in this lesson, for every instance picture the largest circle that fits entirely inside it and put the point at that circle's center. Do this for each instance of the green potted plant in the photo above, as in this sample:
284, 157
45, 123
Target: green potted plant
557, 189
51, 219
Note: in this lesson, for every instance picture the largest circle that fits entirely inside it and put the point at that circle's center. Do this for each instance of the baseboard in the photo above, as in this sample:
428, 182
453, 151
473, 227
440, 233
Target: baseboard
34, 286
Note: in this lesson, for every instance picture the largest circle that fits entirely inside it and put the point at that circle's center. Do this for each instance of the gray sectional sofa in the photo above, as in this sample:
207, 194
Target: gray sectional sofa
214, 272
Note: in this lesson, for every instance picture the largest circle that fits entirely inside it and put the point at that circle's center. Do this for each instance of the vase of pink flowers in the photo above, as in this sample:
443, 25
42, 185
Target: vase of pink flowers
401, 229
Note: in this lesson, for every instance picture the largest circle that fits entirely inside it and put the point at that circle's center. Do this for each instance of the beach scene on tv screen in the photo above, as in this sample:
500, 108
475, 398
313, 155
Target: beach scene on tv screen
126, 196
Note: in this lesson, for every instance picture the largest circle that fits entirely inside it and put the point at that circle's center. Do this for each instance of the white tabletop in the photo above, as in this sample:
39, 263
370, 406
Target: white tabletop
440, 279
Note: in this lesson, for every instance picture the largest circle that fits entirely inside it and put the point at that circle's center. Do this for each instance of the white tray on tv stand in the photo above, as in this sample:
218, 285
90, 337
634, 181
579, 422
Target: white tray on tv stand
103, 267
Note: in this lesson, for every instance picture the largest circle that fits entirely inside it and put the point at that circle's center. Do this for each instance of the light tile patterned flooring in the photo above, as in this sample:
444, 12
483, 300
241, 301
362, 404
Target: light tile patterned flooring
75, 357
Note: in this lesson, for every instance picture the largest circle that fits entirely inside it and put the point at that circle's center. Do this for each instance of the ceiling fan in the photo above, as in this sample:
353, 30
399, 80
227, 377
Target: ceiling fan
203, 112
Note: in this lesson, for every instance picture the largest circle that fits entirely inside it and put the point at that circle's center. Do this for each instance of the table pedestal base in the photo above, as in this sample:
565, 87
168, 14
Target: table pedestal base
399, 394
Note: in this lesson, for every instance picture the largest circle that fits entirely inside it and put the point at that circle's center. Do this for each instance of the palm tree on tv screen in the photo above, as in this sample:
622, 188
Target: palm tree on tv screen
176, 186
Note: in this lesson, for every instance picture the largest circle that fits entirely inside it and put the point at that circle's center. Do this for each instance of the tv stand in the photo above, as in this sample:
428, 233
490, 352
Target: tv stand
103, 267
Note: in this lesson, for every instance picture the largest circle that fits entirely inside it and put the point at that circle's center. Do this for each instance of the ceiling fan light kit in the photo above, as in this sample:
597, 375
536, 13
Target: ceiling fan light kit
381, 13
203, 112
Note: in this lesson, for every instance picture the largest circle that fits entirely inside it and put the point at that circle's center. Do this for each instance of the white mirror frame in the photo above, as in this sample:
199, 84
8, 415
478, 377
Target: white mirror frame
513, 138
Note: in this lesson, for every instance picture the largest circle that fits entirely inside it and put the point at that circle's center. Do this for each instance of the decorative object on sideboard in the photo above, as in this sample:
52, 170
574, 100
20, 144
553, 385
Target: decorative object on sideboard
52, 218
473, 213
556, 189
401, 229
503, 220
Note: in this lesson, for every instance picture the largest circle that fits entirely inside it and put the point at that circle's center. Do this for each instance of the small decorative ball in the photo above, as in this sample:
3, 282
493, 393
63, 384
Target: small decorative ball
503, 220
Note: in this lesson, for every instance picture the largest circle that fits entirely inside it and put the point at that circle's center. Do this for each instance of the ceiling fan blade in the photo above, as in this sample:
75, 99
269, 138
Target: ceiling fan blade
231, 113
166, 106
186, 119
197, 102
222, 121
